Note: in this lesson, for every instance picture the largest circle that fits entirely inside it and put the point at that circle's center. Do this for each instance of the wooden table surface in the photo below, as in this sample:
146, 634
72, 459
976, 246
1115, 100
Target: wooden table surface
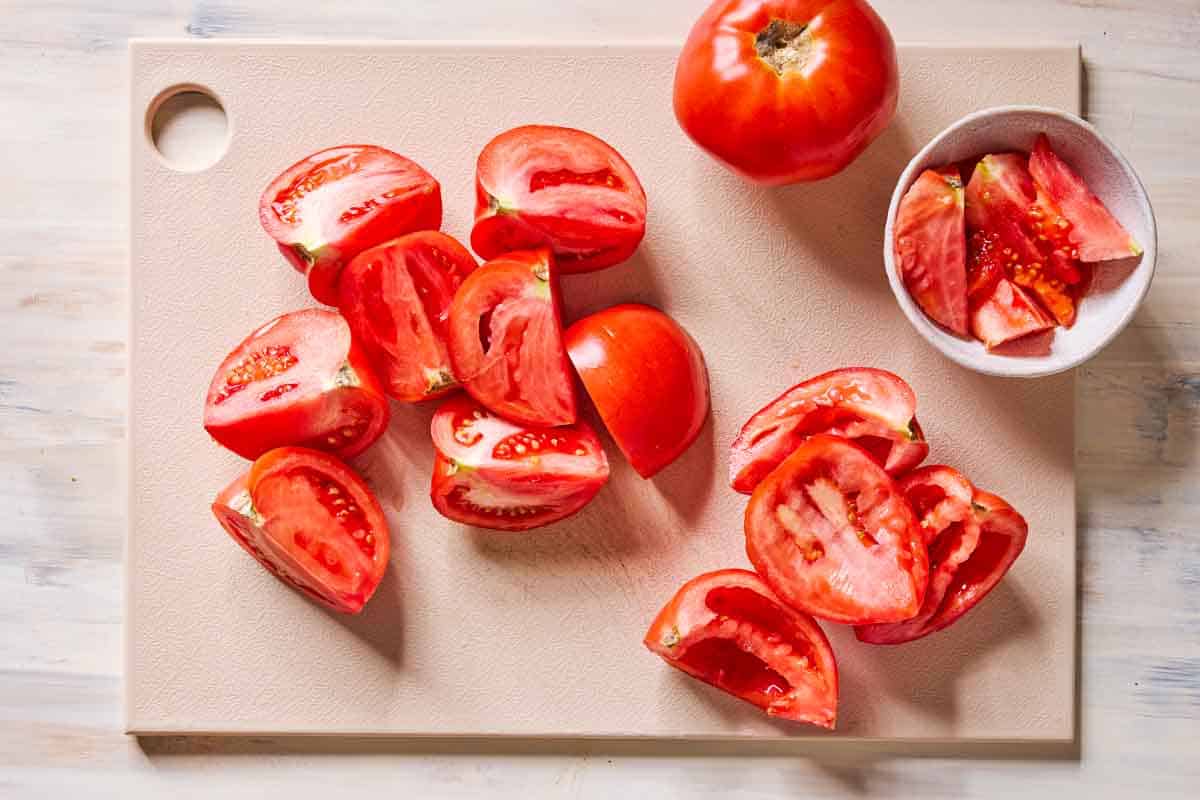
63, 313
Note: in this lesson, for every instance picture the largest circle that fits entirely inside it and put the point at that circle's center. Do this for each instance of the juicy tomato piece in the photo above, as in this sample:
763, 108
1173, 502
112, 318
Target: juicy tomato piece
1008, 314
493, 474
1085, 220
329, 207
396, 298
728, 629
930, 245
972, 544
870, 406
646, 377
298, 380
786, 90
545, 186
831, 533
312, 522
506, 341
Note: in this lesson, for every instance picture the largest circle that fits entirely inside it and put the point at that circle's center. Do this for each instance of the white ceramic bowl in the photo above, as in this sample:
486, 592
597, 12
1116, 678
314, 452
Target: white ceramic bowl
1118, 287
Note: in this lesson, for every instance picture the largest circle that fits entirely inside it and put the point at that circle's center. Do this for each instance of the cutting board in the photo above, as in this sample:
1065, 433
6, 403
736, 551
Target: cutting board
476, 633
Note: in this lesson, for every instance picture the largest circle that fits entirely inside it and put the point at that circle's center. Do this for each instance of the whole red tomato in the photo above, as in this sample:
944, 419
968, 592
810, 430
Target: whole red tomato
782, 91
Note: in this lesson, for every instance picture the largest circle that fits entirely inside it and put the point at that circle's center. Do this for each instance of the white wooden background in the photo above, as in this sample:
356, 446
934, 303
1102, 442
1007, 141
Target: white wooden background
63, 261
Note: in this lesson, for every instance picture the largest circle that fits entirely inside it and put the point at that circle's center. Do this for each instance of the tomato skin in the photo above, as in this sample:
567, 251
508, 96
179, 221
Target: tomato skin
777, 127
930, 247
646, 377
396, 297
312, 522
728, 629
330, 206
310, 385
561, 188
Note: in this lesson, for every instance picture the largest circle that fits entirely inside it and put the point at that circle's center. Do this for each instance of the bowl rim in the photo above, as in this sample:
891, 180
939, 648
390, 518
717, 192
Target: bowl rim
1025, 366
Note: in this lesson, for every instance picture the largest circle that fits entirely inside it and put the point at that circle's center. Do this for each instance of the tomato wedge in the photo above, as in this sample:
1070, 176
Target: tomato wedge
873, 407
728, 629
546, 186
972, 544
396, 298
312, 522
831, 533
930, 246
329, 207
298, 380
1007, 314
493, 474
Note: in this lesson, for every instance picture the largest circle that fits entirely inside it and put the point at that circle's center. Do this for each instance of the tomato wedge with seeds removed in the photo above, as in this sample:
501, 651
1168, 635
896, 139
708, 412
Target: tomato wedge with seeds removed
728, 629
312, 522
298, 380
492, 473
1007, 314
832, 534
546, 186
506, 340
873, 407
396, 298
930, 246
329, 207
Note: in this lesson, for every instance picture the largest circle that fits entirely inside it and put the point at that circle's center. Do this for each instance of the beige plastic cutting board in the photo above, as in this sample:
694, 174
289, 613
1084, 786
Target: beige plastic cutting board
479, 633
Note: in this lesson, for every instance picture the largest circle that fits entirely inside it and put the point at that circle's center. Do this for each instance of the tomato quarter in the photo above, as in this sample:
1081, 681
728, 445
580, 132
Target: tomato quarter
931, 249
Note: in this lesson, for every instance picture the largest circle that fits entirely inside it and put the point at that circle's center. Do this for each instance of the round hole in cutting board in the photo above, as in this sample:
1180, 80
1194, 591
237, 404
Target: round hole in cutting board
188, 127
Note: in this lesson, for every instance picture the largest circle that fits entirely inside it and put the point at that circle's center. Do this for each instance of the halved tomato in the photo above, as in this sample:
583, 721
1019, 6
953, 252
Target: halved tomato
930, 245
873, 407
646, 377
506, 340
728, 629
494, 474
831, 533
298, 380
971, 546
312, 522
546, 186
396, 298
1008, 314
327, 208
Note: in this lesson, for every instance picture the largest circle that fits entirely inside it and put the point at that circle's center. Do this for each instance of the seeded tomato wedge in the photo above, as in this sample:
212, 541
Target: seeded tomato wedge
872, 407
831, 533
492, 473
728, 629
930, 247
312, 522
546, 186
329, 207
298, 380
396, 298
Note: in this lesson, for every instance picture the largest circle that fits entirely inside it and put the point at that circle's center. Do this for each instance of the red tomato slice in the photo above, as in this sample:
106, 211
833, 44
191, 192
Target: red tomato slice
1088, 224
545, 186
298, 380
327, 208
493, 474
1008, 314
930, 244
312, 522
871, 406
831, 533
728, 629
506, 340
646, 377
396, 298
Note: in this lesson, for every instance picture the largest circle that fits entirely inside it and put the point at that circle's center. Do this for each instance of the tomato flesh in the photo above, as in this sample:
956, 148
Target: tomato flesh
1008, 314
930, 246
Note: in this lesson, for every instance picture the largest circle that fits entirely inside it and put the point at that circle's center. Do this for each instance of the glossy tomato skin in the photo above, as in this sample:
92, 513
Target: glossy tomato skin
646, 377
396, 298
833, 536
561, 188
824, 88
491, 473
728, 629
298, 380
329, 207
312, 522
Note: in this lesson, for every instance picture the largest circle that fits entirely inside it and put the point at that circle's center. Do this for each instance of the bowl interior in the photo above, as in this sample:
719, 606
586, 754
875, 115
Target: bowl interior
1118, 286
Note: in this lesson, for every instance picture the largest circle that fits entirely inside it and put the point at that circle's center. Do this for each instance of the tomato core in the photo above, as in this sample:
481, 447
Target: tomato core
258, 366
785, 46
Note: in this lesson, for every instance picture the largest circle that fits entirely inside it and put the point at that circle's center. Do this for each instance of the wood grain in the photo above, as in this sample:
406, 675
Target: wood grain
62, 408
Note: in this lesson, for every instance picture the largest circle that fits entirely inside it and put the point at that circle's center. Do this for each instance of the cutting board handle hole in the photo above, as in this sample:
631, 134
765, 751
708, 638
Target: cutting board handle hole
188, 128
